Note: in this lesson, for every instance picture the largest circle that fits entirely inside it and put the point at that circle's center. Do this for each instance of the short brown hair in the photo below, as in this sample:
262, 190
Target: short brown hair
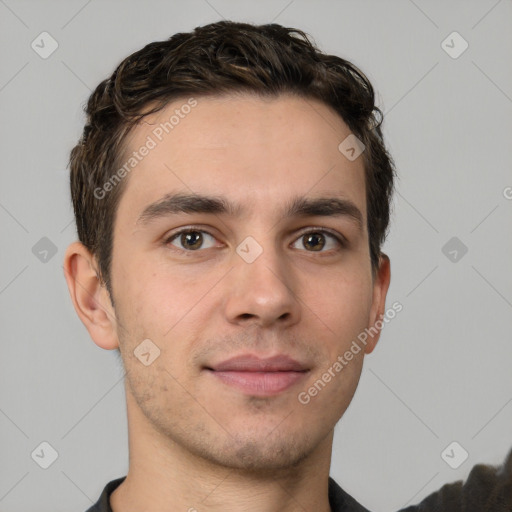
220, 58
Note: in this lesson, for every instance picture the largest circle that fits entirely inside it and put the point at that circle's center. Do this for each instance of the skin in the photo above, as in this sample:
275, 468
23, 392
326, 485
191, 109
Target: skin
195, 442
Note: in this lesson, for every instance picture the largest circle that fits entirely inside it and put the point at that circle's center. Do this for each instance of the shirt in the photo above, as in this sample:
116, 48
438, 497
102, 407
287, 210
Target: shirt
339, 500
487, 489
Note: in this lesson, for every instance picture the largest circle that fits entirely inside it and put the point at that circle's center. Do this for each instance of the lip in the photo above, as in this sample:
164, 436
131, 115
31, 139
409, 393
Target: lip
261, 377
253, 363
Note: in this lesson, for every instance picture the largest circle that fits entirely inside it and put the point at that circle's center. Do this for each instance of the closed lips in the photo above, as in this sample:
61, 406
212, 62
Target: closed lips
251, 363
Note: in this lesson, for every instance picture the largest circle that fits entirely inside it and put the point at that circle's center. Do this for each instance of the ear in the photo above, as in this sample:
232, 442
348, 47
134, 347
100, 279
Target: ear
90, 296
380, 290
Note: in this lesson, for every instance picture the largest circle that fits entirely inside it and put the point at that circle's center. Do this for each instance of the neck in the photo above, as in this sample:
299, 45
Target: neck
163, 475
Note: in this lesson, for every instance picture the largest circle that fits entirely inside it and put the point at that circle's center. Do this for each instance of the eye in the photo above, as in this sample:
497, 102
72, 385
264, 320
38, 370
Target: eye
317, 240
190, 239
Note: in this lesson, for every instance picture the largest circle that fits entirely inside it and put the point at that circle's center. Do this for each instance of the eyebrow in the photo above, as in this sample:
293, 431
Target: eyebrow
299, 206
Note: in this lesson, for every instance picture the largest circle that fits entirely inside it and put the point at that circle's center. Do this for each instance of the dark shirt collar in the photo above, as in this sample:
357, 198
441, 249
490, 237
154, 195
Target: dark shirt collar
339, 500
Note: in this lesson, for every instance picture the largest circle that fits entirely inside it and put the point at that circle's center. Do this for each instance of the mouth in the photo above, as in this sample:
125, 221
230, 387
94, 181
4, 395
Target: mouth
260, 377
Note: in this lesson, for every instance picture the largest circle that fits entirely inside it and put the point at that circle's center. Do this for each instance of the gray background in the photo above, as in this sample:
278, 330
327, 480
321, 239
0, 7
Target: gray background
441, 371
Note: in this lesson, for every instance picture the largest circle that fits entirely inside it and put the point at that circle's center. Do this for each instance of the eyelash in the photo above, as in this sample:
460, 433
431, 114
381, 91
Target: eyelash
191, 229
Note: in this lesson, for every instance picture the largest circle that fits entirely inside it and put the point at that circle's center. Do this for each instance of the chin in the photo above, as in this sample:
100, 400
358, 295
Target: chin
261, 455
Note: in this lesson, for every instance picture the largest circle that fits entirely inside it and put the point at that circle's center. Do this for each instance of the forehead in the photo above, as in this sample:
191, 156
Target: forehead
256, 151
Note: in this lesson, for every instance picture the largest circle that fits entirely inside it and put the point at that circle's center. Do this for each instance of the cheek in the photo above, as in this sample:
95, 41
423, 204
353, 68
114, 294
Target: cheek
147, 289
166, 308
144, 308
342, 303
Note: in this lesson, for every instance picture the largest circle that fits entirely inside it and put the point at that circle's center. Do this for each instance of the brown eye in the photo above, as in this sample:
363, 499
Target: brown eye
191, 240
313, 241
319, 241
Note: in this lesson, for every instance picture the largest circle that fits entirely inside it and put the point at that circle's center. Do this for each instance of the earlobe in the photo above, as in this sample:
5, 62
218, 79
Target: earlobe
380, 290
90, 296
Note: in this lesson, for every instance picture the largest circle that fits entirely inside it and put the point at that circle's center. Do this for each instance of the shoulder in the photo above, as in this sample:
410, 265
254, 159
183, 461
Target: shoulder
103, 503
340, 501
487, 489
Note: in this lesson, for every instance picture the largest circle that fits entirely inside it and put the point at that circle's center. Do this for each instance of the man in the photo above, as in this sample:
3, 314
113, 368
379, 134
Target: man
232, 192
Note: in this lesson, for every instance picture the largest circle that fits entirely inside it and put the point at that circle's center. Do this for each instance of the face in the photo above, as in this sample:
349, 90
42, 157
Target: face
277, 266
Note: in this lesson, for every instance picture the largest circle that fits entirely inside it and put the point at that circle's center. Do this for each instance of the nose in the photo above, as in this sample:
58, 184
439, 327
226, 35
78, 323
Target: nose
261, 292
